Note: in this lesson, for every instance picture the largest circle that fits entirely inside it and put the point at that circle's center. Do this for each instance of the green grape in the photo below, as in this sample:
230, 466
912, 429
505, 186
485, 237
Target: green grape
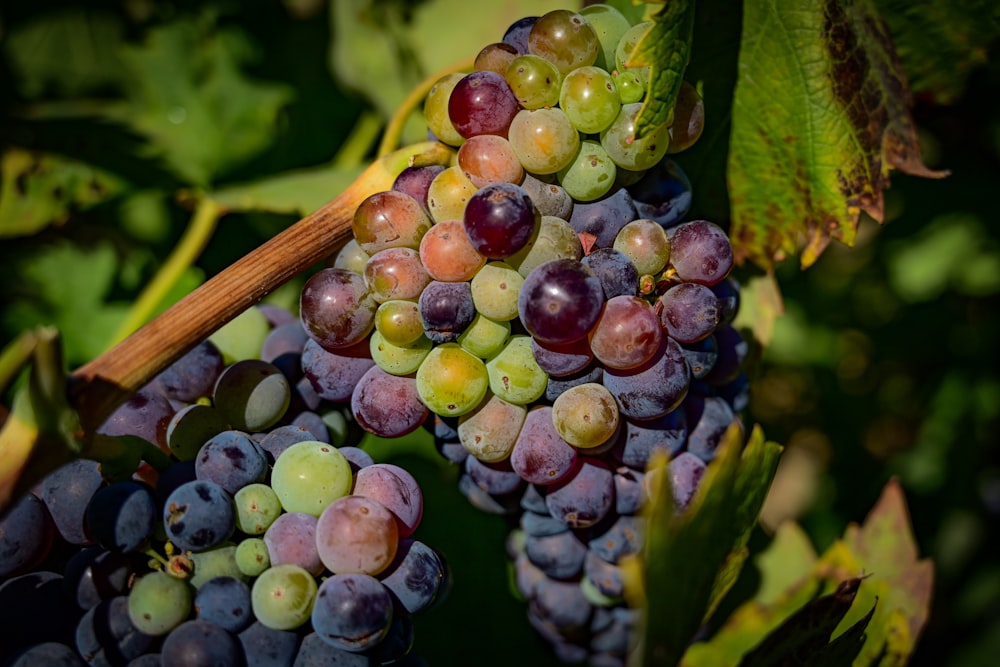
338, 426
219, 561
590, 99
591, 174
351, 257
257, 506
495, 289
310, 475
282, 597
645, 242
243, 336
399, 322
436, 109
609, 25
158, 603
627, 151
191, 427
565, 38
252, 394
534, 81
586, 415
484, 337
555, 239
544, 140
490, 431
631, 86
451, 381
252, 557
627, 44
449, 193
515, 375
399, 359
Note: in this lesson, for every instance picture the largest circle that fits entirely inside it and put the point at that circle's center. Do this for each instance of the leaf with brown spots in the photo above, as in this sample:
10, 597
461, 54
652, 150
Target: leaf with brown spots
820, 117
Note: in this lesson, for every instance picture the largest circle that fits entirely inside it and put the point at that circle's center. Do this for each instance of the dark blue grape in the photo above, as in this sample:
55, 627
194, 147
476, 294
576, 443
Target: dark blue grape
708, 418
232, 460
416, 577
517, 33
562, 604
701, 357
667, 433
199, 515
224, 601
121, 516
630, 493
728, 294
700, 252
688, 312
181, 472
604, 576
106, 635
193, 375
585, 497
66, 492
541, 525
201, 643
560, 301
663, 194
352, 612
48, 654
482, 500
496, 479
314, 651
266, 647
654, 389
416, 181
34, 608
146, 415
446, 309
621, 538
94, 574
557, 385
561, 360
559, 556
686, 471
732, 352
598, 222
333, 375
26, 535
312, 423
283, 349
281, 438
615, 270
533, 499
396, 644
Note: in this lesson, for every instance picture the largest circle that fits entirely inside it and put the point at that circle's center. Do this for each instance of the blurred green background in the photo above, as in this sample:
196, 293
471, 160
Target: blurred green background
116, 117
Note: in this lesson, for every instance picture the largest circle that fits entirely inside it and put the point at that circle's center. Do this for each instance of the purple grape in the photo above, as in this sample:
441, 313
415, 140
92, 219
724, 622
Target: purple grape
496, 479
700, 252
708, 418
689, 312
387, 405
357, 457
541, 525
446, 309
336, 308
482, 500
26, 535
667, 433
732, 352
728, 293
621, 538
291, 539
314, 651
333, 375
630, 492
121, 516
266, 647
549, 198
312, 424
533, 499
561, 603
557, 385
66, 492
598, 222
604, 576
500, 219
179, 473
585, 497
562, 360
652, 390
559, 556
517, 33
416, 577
283, 348
701, 357
686, 471
49, 654
540, 454
615, 270
232, 460
663, 194
34, 608
352, 612
94, 574
224, 601
482, 103
199, 642
396, 489
146, 415
194, 374
199, 515
416, 181
106, 635
560, 301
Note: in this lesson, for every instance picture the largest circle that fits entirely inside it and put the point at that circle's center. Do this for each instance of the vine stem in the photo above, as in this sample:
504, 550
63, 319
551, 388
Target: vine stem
394, 129
101, 385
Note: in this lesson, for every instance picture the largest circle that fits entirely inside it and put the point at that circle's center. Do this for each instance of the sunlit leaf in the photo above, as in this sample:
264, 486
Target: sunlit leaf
820, 117
665, 48
298, 193
40, 189
760, 306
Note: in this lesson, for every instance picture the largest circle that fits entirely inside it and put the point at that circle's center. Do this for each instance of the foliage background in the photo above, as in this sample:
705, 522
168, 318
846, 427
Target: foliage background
115, 116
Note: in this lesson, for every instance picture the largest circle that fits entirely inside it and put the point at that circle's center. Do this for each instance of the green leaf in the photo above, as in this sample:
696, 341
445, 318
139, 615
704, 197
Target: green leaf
188, 95
820, 117
297, 193
383, 49
960, 30
690, 558
41, 189
666, 49
785, 562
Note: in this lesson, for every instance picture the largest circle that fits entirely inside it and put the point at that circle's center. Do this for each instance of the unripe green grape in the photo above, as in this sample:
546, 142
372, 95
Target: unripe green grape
555, 239
252, 556
631, 86
586, 415
490, 431
591, 173
451, 381
282, 597
589, 97
627, 44
242, 337
645, 242
544, 139
534, 81
399, 359
495, 290
399, 322
436, 109
627, 151
351, 257
515, 375
609, 25
449, 193
485, 337
310, 475
219, 561
257, 506
158, 603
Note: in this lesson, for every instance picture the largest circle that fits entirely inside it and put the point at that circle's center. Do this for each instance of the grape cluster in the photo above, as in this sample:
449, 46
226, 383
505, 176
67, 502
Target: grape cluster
263, 537
542, 306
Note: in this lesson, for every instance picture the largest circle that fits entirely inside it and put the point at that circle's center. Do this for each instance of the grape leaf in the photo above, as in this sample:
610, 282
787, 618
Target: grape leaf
41, 189
666, 49
690, 558
960, 30
297, 192
820, 116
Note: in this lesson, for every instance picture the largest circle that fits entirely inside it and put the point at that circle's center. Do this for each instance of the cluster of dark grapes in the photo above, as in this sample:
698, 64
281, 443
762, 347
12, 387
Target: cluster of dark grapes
255, 534
543, 307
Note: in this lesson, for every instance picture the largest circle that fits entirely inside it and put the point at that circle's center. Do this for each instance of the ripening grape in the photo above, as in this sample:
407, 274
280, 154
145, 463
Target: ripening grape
590, 174
645, 243
389, 219
484, 337
544, 139
451, 381
560, 301
534, 81
399, 322
159, 602
586, 415
488, 158
395, 273
627, 334
448, 194
357, 534
565, 38
310, 475
514, 374
495, 57
336, 308
447, 254
490, 430
555, 239
436, 110
482, 103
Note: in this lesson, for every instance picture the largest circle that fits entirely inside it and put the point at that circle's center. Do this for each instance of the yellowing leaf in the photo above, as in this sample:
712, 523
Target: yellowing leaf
820, 117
